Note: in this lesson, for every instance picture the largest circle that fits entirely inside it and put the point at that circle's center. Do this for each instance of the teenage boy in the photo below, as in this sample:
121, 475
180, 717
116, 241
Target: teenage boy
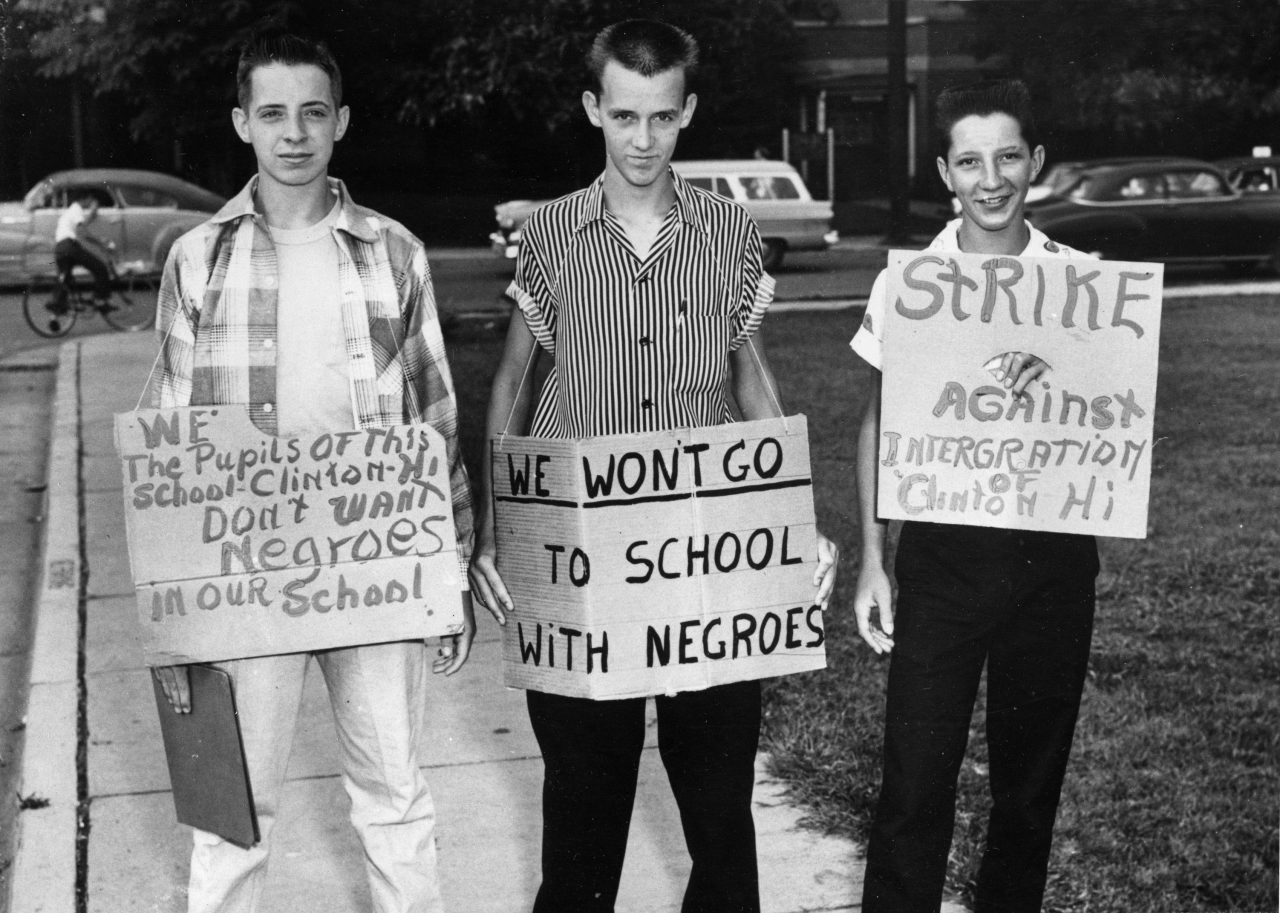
647, 293
69, 251
317, 314
1020, 602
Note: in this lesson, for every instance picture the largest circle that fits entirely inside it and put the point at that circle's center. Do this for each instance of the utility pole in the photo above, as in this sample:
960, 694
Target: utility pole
899, 190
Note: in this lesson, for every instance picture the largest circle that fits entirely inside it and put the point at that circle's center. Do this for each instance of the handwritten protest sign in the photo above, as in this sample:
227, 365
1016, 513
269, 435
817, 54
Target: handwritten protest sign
243, 544
657, 563
1074, 454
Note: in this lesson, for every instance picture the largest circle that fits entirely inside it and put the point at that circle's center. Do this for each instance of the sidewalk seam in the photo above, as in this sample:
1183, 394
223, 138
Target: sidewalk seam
82, 687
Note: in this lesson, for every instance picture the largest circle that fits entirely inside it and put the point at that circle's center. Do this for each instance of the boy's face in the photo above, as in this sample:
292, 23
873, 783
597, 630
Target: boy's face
989, 168
291, 122
641, 118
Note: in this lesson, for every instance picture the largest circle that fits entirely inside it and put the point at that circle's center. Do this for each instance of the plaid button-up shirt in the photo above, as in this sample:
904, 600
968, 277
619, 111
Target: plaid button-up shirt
217, 326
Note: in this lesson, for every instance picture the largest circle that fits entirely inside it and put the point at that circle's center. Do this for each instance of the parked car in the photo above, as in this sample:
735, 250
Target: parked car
1170, 210
1057, 178
1252, 174
141, 213
772, 192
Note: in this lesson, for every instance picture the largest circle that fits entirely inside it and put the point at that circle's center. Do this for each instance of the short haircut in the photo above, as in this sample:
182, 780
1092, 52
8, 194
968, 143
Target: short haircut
646, 47
267, 48
992, 96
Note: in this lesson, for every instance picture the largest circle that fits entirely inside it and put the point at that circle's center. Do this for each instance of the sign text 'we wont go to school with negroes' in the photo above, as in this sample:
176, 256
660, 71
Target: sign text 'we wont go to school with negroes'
657, 563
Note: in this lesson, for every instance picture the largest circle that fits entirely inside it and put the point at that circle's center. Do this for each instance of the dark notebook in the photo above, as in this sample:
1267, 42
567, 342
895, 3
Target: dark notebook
206, 759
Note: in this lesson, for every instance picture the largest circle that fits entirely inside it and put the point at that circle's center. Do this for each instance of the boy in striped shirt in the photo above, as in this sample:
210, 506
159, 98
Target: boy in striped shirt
646, 293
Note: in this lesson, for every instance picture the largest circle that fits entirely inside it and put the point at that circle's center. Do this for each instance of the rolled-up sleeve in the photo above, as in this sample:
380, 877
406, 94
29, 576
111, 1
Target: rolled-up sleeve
755, 294
868, 342
530, 288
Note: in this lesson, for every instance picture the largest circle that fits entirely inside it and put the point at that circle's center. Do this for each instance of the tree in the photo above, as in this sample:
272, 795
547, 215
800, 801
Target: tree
1186, 76
422, 62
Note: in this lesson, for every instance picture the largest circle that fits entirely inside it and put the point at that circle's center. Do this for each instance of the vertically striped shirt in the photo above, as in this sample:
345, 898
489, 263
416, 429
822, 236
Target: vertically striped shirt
638, 345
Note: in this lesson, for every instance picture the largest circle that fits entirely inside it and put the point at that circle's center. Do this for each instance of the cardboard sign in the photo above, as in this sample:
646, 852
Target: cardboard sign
1074, 454
657, 563
243, 544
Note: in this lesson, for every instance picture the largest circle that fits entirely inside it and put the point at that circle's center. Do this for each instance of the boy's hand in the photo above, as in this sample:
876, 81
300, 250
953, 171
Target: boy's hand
1016, 370
176, 685
824, 577
874, 592
487, 587
455, 649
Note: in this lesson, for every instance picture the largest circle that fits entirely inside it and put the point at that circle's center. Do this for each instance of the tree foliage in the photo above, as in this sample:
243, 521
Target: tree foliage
1185, 76
422, 61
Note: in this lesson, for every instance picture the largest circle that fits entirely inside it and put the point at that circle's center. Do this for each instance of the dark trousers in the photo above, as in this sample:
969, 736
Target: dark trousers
591, 751
1022, 603
70, 253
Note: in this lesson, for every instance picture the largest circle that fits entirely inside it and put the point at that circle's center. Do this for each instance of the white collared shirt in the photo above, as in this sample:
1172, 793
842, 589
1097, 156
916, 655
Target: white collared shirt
868, 342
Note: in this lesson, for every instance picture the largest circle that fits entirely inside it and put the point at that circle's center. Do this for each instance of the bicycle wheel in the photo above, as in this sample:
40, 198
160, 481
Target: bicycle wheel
133, 304
40, 318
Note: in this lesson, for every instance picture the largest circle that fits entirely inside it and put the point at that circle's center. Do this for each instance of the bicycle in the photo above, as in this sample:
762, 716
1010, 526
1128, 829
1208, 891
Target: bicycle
130, 307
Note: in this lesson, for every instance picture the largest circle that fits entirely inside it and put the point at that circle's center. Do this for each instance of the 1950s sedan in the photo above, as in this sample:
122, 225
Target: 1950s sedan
1171, 211
140, 214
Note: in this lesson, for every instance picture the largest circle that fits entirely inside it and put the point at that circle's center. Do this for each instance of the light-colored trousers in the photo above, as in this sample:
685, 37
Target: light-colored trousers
378, 696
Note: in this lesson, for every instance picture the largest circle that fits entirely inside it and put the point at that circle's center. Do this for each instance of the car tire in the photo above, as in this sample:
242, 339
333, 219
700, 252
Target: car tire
771, 253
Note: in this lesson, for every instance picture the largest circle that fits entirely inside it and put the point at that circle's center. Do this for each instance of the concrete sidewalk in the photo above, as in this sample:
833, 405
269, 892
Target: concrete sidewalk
93, 744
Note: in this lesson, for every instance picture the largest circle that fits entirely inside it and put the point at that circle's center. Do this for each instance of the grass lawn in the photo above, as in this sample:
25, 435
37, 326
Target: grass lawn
1171, 800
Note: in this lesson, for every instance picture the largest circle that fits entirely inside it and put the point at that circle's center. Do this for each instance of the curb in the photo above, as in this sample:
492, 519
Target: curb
45, 861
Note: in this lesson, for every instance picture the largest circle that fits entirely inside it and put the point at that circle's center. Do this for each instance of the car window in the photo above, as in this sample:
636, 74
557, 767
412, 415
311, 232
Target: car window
133, 195
1189, 185
1143, 187
1256, 179
715, 185
769, 187
72, 192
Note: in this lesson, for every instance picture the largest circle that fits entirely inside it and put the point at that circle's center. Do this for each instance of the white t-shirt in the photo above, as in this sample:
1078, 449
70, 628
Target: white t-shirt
69, 223
313, 388
868, 341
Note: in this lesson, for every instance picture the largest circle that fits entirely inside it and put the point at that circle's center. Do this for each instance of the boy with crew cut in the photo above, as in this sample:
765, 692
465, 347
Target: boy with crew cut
647, 293
317, 314
1019, 602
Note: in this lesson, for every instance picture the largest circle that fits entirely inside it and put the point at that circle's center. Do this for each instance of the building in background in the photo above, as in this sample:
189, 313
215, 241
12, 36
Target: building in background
842, 84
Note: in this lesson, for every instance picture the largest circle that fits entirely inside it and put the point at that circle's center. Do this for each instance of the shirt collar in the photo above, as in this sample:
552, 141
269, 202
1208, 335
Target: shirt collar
688, 207
948, 240
353, 219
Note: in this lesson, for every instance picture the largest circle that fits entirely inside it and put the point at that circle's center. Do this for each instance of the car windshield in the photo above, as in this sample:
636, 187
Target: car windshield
39, 196
1083, 188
